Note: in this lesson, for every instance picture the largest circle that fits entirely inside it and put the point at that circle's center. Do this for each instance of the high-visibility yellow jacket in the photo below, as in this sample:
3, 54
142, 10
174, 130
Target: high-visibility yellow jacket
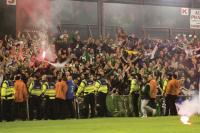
7, 90
101, 86
87, 87
45, 86
48, 90
35, 88
164, 85
134, 86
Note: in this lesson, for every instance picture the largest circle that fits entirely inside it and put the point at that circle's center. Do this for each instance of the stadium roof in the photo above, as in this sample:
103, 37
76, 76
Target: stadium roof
177, 3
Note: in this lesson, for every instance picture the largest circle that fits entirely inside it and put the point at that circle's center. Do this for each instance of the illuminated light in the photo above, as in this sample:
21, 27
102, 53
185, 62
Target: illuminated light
43, 42
44, 54
190, 35
21, 42
176, 37
195, 36
185, 120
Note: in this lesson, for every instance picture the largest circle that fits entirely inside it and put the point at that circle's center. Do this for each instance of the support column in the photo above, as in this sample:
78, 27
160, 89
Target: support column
100, 15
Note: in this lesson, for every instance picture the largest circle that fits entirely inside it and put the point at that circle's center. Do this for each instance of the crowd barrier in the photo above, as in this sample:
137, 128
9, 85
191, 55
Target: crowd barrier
121, 105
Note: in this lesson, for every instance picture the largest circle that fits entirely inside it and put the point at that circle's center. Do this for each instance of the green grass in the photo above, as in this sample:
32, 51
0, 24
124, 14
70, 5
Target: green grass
104, 125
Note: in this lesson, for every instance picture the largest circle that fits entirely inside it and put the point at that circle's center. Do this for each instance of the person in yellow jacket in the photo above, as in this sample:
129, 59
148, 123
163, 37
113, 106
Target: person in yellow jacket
87, 86
35, 100
101, 87
134, 92
45, 97
50, 95
7, 97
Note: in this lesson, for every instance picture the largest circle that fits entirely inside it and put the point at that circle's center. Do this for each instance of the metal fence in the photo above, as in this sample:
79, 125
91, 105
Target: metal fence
121, 105
168, 33
87, 31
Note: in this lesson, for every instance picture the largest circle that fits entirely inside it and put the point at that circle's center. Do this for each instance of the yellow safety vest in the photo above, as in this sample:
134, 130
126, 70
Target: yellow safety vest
87, 87
7, 91
134, 86
35, 90
49, 91
101, 86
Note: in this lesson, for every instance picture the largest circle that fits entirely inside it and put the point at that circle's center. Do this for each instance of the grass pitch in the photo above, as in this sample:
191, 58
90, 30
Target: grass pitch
104, 125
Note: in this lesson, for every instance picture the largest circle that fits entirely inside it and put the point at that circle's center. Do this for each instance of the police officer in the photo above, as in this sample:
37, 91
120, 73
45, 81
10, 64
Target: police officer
50, 100
35, 91
134, 92
7, 97
87, 86
45, 87
101, 87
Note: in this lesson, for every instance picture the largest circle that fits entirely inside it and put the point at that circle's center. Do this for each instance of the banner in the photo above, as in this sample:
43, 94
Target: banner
195, 19
11, 2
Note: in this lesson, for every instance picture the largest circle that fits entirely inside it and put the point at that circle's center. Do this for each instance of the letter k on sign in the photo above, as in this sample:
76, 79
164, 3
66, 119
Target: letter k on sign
184, 11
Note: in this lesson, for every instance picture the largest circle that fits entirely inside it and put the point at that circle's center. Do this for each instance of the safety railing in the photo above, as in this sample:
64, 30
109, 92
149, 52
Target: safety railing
122, 105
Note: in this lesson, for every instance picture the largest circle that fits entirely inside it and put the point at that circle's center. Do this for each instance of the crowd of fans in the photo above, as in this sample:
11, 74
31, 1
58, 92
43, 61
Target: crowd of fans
118, 59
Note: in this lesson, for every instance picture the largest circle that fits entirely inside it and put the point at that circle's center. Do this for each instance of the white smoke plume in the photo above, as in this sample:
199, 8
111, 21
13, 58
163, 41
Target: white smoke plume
189, 107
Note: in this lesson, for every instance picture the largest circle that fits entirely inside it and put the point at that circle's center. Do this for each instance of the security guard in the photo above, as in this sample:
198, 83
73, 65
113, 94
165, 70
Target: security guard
61, 89
101, 87
7, 97
134, 92
50, 100
35, 90
87, 86
171, 95
21, 97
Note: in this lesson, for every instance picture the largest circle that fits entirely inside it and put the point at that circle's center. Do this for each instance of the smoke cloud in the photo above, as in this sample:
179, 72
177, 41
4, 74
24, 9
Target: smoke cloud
189, 107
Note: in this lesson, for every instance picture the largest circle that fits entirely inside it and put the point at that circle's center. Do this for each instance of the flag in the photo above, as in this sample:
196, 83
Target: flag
11, 2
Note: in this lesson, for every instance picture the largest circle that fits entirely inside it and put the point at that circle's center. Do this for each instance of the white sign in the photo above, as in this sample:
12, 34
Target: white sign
195, 19
185, 11
11, 2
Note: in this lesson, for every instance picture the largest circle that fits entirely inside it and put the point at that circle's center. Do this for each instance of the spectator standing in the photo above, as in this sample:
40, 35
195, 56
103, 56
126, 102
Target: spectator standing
61, 92
70, 97
171, 94
21, 96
